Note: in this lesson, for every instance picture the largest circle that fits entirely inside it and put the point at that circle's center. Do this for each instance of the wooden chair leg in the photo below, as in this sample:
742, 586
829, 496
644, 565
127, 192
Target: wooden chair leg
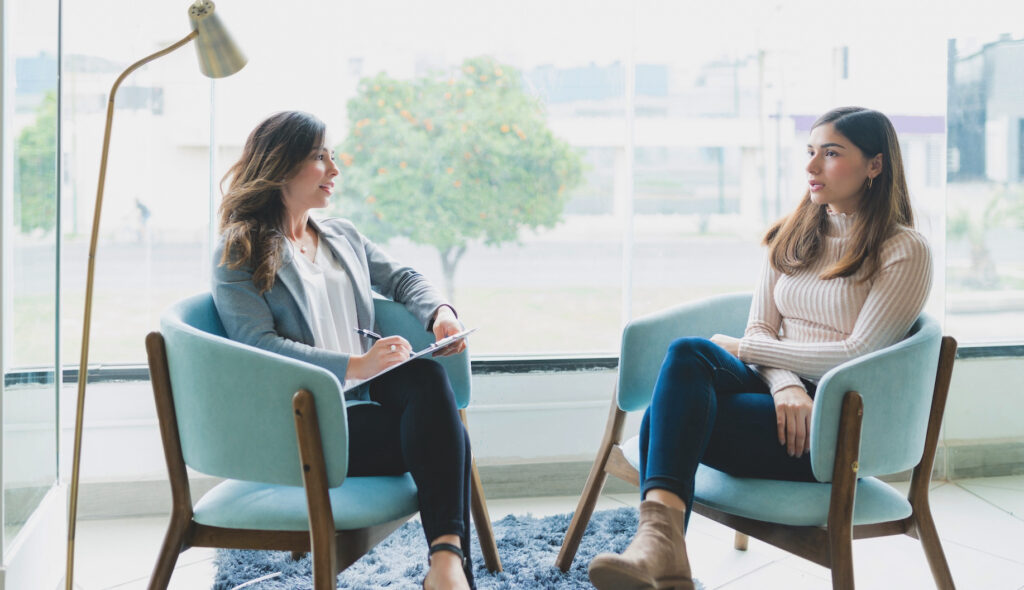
178, 536
481, 517
580, 518
929, 537
740, 541
844, 490
592, 489
174, 543
924, 527
314, 478
841, 554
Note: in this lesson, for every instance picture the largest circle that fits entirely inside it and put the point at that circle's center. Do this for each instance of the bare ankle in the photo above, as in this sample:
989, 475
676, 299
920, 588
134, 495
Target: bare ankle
445, 575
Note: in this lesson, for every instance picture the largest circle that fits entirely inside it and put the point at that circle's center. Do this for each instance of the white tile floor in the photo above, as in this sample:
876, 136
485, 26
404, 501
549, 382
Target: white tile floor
981, 522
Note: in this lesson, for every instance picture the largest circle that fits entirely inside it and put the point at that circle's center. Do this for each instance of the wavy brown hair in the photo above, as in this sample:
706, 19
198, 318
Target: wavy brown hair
252, 211
796, 241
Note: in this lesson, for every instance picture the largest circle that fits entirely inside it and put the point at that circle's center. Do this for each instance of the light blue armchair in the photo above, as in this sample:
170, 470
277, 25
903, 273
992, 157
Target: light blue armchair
875, 415
275, 429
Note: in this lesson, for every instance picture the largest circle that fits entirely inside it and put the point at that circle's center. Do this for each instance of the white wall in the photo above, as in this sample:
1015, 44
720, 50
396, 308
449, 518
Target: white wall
521, 419
986, 401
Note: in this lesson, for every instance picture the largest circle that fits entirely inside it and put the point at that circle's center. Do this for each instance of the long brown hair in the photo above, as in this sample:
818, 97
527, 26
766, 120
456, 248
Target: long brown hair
796, 241
252, 211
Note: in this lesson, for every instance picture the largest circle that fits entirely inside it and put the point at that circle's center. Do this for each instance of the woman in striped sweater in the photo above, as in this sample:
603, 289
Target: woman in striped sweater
846, 274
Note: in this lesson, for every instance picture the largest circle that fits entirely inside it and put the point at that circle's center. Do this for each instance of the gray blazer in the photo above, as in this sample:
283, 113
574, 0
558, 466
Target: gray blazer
278, 320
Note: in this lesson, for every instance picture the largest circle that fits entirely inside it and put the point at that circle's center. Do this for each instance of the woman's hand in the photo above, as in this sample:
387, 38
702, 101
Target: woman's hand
730, 344
793, 416
384, 353
446, 324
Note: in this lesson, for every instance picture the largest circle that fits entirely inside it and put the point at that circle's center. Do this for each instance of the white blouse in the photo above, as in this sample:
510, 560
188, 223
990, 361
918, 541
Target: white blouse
332, 303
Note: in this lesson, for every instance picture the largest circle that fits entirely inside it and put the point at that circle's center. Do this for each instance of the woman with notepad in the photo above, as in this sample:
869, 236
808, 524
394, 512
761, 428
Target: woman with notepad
302, 288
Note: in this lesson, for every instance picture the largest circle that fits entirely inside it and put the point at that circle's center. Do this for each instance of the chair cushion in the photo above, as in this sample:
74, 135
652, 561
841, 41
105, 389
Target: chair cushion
359, 502
786, 502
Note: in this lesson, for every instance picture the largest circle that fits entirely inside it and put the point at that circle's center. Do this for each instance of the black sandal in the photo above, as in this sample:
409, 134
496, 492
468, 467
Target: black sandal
447, 547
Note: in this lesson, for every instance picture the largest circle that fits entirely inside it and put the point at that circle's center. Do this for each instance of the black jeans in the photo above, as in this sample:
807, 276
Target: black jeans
416, 428
709, 407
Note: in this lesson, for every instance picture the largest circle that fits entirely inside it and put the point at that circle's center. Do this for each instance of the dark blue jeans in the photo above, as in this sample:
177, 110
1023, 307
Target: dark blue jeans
416, 428
709, 407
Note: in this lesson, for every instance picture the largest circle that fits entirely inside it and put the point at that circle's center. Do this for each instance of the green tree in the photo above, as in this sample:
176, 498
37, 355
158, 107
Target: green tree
448, 158
35, 180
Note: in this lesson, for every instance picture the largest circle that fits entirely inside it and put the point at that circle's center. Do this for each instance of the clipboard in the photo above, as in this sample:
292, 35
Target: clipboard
436, 346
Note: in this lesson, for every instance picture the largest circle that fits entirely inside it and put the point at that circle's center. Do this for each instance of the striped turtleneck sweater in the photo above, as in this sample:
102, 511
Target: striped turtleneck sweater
802, 326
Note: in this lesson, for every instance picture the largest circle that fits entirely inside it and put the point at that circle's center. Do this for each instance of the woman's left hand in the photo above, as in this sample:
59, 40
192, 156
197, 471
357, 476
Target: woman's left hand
446, 324
793, 409
730, 344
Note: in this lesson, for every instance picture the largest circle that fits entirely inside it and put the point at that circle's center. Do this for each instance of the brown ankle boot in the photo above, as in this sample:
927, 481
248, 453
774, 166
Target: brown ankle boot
655, 558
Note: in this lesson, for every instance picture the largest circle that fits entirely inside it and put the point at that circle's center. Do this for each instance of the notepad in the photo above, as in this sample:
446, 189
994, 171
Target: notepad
436, 346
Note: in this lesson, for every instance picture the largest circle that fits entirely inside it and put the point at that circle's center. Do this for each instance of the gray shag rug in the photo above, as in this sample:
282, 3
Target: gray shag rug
527, 546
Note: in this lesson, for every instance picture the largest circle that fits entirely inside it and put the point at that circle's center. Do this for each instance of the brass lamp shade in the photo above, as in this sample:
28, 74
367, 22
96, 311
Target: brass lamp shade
219, 57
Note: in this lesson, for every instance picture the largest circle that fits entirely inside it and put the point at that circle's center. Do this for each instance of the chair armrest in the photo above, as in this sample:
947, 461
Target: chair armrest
393, 318
645, 340
896, 384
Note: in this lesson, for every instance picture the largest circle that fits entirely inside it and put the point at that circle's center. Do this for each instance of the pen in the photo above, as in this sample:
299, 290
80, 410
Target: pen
368, 333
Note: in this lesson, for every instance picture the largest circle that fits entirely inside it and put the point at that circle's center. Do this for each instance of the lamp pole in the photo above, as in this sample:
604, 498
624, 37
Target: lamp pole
83, 364
218, 57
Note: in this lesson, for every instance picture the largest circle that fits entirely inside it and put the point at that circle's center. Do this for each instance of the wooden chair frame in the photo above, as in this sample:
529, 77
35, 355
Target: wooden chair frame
829, 546
333, 550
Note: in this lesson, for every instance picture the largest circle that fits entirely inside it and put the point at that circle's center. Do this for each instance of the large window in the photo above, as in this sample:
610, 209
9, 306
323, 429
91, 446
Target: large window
155, 222
985, 258
559, 167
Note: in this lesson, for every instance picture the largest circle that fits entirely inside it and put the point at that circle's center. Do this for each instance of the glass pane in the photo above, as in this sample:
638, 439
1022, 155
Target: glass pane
153, 246
477, 189
492, 165
985, 227
30, 296
725, 98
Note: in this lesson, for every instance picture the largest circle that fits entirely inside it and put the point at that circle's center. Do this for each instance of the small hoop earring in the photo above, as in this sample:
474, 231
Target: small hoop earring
870, 179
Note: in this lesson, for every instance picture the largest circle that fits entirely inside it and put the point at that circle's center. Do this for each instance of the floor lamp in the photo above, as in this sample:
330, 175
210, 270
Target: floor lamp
219, 57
